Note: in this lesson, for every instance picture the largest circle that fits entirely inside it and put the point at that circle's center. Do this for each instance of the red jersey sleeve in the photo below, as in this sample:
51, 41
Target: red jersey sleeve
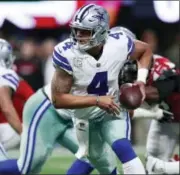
22, 94
174, 104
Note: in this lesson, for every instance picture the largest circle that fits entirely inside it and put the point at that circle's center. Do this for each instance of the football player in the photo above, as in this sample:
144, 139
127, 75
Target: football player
86, 79
9, 138
9, 82
159, 154
165, 80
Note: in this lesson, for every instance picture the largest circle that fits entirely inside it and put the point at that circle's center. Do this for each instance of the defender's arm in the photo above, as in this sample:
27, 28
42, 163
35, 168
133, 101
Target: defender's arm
157, 92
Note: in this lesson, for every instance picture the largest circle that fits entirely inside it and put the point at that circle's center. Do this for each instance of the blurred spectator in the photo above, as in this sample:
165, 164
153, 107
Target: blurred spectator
28, 65
173, 51
64, 36
47, 49
150, 37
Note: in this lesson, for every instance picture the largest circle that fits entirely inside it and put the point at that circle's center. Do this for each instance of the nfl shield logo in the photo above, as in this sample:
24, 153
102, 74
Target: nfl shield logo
77, 62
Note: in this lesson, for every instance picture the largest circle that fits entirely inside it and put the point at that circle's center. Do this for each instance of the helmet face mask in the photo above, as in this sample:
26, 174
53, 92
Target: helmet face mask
93, 19
81, 36
128, 73
6, 54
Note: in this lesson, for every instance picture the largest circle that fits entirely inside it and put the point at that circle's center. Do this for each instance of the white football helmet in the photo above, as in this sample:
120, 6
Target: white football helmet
93, 18
6, 54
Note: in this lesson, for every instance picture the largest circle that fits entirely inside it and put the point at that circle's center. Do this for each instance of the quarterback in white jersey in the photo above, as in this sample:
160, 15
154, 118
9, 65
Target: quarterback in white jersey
9, 81
86, 79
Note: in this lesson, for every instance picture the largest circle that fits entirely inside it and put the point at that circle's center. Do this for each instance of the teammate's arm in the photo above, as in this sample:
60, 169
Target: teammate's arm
7, 108
61, 98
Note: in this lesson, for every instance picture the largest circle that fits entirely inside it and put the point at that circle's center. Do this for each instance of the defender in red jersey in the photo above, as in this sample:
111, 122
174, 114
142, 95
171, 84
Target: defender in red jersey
9, 82
8, 136
23, 92
164, 86
13, 94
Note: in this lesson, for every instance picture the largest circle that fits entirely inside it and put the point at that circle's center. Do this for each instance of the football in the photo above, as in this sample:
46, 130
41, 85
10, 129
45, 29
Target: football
130, 96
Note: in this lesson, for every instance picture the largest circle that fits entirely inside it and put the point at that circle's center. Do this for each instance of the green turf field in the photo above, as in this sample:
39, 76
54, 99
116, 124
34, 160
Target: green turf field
61, 160
59, 165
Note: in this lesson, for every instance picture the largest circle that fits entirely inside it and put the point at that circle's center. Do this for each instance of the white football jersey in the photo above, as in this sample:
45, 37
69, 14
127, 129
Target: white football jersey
92, 77
8, 77
64, 113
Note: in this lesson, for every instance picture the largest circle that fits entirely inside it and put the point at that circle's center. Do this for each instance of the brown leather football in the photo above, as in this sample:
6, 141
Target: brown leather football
130, 96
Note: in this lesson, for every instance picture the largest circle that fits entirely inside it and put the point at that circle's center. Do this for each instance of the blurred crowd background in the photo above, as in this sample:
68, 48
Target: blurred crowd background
156, 24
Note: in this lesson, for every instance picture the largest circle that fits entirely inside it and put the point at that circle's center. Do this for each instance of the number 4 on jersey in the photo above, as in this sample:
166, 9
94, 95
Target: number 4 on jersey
99, 84
115, 35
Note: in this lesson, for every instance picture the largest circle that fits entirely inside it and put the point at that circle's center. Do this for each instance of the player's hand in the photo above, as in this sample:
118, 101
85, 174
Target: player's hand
107, 103
167, 117
142, 89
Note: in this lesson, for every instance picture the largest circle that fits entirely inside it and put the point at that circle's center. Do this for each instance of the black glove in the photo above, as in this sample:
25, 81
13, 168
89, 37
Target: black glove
167, 117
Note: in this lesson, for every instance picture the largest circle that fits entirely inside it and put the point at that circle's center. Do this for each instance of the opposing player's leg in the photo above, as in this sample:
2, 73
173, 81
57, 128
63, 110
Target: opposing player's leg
10, 139
161, 142
162, 139
158, 166
116, 131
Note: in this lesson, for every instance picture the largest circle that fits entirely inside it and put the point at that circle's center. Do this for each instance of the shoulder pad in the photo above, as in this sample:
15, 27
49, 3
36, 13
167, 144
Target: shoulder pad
9, 78
62, 56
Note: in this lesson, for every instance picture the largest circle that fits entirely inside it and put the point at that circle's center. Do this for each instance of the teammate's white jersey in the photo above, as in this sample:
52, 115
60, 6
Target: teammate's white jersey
92, 77
64, 113
9, 78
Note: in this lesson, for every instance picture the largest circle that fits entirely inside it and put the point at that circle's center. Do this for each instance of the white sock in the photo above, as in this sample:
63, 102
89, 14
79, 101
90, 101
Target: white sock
167, 167
172, 167
134, 166
3, 154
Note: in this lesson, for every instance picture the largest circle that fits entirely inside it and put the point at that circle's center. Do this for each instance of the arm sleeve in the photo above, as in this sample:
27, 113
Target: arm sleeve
166, 87
9, 79
59, 61
130, 46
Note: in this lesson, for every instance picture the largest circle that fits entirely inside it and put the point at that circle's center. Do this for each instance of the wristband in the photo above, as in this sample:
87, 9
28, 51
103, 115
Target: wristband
142, 74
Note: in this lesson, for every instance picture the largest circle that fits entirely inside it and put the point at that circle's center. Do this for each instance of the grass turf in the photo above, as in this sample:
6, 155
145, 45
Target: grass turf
59, 165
